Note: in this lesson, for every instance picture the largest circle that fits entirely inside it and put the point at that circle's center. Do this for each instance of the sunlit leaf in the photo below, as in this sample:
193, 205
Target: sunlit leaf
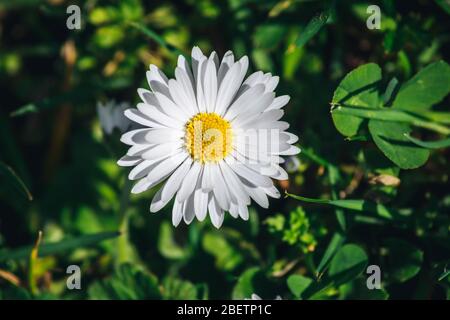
298, 283
428, 87
359, 88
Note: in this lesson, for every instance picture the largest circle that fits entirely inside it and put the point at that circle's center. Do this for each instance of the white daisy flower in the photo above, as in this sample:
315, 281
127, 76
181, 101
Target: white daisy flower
215, 139
111, 115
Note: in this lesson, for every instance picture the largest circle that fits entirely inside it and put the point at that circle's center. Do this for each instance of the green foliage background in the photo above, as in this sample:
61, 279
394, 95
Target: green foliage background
372, 186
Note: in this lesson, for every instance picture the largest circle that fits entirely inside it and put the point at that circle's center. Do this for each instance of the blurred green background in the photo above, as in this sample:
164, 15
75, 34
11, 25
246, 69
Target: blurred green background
59, 174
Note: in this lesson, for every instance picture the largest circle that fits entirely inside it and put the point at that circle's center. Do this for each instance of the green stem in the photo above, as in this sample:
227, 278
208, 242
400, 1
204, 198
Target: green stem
386, 114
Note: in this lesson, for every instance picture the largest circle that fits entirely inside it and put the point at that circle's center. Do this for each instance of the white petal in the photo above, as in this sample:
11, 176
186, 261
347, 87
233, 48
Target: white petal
226, 64
215, 213
264, 120
157, 136
138, 150
189, 209
206, 180
244, 102
234, 210
255, 108
258, 194
134, 137
183, 64
189, 182
181, 99
243, 211
142, 169
228, 88
174, 182
220, 189
188, 87
128, 161
291, 138
159, 117
172, 109
171, 186
272, 192
139, 117
234, 183
201, 103
157, 81
177, 213
200, 203
279, 102
248, 174
167, 166
162, 150
145, 184
293, 150
280, 175
272, 83
210, 85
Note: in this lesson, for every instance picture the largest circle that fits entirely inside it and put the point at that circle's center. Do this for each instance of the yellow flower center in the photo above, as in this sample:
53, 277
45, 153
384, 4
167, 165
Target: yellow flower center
208, 137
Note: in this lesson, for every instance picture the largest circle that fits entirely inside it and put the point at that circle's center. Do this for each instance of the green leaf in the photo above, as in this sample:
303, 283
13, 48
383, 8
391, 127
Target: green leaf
127, 283
53, 248
349, 262
359, 88
444, 143
426, 88
298, 284
227, 257
13, 179
335, 244
403, 260
155, 37
176, 289
444, 4
251, 281
357, 205
313, 26
390, 139
167, 245
357, 290
269, 35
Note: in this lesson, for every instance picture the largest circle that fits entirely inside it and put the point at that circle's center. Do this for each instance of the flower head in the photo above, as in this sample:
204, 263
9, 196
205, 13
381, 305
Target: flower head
214, 139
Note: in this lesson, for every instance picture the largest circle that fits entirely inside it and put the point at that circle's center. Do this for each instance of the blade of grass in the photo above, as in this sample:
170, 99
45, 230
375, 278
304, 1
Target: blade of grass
313, 27
11, 175
32, 264
336, 242
355, 205
155, 37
